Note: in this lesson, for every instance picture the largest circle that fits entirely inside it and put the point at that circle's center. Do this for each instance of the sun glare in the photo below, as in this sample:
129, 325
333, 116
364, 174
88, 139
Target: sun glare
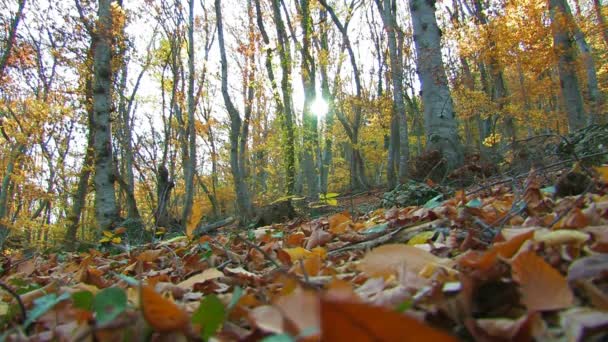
319, 107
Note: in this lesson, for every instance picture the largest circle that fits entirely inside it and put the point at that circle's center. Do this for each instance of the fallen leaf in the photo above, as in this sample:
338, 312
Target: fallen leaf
347, 321
318, 237
301, 310
208, 274
162, 314
149, 255
267, 318
577, 321
542, 287
297, 253
588, 267
389, 259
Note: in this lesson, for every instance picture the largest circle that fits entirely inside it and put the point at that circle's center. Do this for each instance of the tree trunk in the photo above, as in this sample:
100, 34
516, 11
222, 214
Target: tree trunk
357, 164
594, 96
309, 119
440, 119
597, 8
243, 198
564, 49
190, 160
105, 196
388, 12
287, 106
10, 39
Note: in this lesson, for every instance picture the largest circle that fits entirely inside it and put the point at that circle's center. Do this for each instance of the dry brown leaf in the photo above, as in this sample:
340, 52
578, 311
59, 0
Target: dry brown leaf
208, 274
318, 237
390, 259
542, 287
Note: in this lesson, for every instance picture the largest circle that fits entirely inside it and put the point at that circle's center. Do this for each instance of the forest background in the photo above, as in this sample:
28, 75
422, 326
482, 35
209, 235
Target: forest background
169, 113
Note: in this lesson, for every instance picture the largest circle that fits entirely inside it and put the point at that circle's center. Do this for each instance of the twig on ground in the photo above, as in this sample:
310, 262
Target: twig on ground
400, 234
17, 298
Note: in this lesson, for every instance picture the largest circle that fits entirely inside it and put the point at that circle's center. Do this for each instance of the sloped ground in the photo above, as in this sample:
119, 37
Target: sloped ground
498, 264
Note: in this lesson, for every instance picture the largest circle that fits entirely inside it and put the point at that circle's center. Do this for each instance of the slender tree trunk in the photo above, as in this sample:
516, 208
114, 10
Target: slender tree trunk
357, 164
311, 173
388, 11
597, 7
440, 119
190, 165
329, 116
564, 49
287, 104
5, 187
243, 198
105, 196
10, 40
594, 96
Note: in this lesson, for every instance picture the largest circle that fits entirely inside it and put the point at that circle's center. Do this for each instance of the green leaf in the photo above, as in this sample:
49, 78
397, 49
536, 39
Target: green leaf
549, 190
108, 304
332, 201
127, 279
42, 305
434, 202
83, 300
277, 235
236, 295
474, 203
404, 306
376, 229
210, 315
278, 338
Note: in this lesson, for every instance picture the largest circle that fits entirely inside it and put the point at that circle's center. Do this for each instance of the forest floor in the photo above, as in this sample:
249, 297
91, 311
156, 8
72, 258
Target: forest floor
512, 261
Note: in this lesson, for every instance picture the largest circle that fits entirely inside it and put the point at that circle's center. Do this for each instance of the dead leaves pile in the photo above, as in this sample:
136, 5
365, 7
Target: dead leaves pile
497, 266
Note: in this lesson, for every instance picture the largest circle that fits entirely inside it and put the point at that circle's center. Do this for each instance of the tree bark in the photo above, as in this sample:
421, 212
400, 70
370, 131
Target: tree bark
10, 40
566, 54
190, 160
308, 73
597, 8
388, 12
105, 196
243, 199
440, 119
287, 104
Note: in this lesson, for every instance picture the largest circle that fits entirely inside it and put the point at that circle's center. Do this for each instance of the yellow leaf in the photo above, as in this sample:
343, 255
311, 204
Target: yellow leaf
297, 253
104, 240
603, 172
421, 238
108, 233
116, 240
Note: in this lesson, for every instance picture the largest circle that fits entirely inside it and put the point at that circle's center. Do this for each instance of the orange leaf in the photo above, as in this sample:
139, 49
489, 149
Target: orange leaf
338, 223
488, 259
542, 287
149, 255
161, 313
295, 239
346, 321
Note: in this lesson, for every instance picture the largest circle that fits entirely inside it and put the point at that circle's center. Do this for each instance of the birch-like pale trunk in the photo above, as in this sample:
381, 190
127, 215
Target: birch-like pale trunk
106, 211
439, 116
